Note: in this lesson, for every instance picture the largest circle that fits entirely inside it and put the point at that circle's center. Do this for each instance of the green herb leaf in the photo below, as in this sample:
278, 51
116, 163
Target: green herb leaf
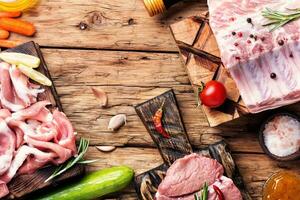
196, 196
205, 192
82, 148
279, 19
87, 161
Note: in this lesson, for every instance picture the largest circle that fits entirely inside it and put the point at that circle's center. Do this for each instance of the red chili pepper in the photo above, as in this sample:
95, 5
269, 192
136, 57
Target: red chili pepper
158, 123
219, 193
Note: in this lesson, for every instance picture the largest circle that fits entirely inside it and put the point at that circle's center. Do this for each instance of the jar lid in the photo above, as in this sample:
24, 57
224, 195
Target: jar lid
154, 7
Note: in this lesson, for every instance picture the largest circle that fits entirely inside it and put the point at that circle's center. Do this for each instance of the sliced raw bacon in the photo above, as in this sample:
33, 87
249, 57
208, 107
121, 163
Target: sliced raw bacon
22, 154
65, 132
31, 136
4, 113
16, 91
7, 146
37, 111
25, 90
8, 97
44, 132
62, 153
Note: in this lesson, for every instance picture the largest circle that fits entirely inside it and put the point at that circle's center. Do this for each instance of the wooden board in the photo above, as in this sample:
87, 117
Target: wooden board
177, 146
200, 54
111, 24
130, 78
24, 184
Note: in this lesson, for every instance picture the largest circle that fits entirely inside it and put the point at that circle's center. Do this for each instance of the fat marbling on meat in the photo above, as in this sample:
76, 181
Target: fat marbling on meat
31, 136
251, 52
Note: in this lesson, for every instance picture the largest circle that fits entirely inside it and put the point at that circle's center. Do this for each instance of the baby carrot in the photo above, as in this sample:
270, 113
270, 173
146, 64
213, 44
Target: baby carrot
9, 43
17, 26
10, 14
4, 34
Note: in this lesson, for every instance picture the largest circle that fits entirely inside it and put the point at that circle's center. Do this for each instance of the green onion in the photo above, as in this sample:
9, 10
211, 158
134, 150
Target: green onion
82, 148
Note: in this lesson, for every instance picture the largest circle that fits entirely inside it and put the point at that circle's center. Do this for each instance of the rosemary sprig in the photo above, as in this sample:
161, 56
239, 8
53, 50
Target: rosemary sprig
279, 19
82, 148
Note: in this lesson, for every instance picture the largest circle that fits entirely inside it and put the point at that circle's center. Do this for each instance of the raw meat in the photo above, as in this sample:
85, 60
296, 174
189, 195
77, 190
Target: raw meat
229, 190
31, 136
252, 53
187, 175
16, 92
7, 146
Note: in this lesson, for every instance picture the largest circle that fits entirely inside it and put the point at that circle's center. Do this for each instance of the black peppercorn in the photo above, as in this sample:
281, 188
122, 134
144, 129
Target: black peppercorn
291, 55
280, 42
233, 33
251, 36
273, 75
249, 20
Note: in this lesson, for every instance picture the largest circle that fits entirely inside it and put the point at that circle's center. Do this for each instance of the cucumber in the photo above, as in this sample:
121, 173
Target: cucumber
94, 185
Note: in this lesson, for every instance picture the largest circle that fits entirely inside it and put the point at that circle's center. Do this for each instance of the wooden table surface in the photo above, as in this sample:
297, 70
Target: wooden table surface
133, 58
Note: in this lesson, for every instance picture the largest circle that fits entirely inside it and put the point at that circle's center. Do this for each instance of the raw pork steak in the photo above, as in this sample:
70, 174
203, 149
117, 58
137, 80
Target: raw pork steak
265, 65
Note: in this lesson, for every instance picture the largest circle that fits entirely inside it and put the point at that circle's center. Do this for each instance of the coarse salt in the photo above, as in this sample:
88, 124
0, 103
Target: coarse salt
282, 136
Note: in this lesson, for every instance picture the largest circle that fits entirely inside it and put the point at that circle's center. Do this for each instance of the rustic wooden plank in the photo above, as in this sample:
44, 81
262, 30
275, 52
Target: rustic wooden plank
111, 24
208, 67
120, 75
254, 168
122, 82
25, 184
170, 148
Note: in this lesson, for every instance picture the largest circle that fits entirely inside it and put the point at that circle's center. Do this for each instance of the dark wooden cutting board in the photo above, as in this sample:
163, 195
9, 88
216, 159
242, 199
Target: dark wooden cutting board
25, 184
177, 146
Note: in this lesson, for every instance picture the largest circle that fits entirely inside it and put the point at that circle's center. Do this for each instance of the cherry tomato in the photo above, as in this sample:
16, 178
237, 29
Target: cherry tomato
213, 95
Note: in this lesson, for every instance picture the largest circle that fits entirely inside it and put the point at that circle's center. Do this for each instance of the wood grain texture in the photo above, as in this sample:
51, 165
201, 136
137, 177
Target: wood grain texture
25, 184
111, 24
130, 78
202, 60
254, 168
178, 144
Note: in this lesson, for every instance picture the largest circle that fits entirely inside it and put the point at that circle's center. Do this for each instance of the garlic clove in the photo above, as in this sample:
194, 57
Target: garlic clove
117, 122
101, 97
106, 148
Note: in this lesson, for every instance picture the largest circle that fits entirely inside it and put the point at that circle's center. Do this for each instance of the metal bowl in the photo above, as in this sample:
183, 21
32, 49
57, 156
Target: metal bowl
293, 156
